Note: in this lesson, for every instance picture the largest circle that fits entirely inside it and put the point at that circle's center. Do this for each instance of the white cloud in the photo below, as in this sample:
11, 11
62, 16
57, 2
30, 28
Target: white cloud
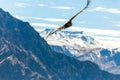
56, 7
44, 25
22, 4
55, 19
19, 17
29, 0
62, 7
42, 5
98, 31
27, 17
117, 24
109, 10
45, 19
109, 38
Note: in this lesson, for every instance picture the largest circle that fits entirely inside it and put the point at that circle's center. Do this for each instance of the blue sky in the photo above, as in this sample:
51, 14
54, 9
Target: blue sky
101, 14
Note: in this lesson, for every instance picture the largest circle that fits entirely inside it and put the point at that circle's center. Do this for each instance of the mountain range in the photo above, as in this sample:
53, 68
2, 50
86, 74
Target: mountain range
83, 46
25, 55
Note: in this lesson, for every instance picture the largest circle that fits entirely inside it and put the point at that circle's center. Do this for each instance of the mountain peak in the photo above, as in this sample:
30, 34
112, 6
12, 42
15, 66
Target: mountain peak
4, 14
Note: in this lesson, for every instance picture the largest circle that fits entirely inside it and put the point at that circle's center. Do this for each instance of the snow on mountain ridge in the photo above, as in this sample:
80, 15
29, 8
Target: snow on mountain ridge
78, 38
76, 43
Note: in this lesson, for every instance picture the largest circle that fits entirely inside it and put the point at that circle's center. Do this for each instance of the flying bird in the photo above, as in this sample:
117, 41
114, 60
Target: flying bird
69, 22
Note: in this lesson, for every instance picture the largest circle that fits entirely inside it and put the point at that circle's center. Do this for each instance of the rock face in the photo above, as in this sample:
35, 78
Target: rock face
24, 55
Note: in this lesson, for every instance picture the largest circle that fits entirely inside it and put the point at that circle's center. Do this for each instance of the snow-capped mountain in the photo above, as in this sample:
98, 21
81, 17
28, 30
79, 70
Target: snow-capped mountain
74, 42
82, 46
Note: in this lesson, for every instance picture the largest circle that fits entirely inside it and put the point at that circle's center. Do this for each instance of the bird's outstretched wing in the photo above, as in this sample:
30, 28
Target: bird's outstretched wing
69, 22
